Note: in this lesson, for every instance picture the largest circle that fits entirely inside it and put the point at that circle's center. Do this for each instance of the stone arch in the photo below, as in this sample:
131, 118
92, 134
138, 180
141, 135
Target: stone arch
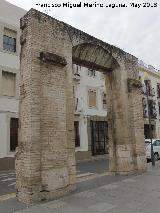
122, 149
92, 55
46, 149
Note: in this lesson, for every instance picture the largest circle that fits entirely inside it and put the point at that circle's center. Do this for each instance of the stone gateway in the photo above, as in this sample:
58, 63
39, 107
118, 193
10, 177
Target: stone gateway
45, 158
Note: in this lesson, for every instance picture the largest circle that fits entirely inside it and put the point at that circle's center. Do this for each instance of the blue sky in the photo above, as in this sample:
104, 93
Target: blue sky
135, 30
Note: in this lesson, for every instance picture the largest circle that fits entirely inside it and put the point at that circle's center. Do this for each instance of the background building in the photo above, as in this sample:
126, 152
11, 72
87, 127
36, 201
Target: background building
152, 76
91, 108
90, 112
9, 80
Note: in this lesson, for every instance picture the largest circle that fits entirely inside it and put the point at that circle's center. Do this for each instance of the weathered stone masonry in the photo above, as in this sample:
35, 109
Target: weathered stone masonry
45, 160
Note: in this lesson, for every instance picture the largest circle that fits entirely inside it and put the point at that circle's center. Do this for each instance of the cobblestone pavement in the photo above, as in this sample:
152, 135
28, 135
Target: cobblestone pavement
130, 194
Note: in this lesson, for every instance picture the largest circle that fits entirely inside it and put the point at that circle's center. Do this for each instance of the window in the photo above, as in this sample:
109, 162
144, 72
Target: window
92, 102
79, 104
9, 40
13, 134
159, 108
148, 86
9, 43
91, 72
147, 132
104, 100
76, 134
144, 104
158, 90
8, 83
76, 69
152, 109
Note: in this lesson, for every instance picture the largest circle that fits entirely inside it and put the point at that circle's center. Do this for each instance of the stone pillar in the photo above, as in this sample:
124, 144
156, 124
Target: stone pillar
45, 158
137, 125
125, 122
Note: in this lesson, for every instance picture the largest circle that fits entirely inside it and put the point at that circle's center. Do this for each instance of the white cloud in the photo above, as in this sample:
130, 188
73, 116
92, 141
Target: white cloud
134, 30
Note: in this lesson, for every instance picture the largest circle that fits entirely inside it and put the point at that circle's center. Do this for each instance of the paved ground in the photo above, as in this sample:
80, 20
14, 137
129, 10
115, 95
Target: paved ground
84, 169
105, 194
12, 205
96, 166
7, 182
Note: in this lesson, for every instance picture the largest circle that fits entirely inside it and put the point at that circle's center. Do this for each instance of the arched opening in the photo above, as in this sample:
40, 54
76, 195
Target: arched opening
93, 56
91, 64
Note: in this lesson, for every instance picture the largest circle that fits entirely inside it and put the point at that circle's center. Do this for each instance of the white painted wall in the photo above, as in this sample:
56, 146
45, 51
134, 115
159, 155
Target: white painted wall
9, 60
81, 91
8, 104
9, 18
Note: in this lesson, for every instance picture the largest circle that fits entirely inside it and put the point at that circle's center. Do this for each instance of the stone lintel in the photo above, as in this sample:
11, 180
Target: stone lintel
52, 58
89, 64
